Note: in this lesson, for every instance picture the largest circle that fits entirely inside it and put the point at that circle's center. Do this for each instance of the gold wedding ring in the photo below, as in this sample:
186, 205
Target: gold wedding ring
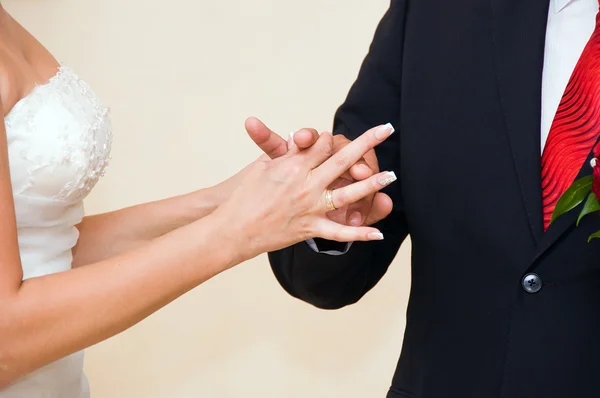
329, 200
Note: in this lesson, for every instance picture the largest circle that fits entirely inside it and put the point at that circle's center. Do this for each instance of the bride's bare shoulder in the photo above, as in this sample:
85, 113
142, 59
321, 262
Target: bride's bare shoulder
24, 62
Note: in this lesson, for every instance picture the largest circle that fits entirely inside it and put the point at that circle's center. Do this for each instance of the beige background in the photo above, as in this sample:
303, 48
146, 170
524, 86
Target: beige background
181, 77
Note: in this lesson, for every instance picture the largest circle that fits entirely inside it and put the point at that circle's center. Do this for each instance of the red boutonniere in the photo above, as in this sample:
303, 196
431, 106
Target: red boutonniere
585, 190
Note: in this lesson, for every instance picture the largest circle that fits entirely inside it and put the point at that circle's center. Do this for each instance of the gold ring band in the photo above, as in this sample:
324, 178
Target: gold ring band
329, 200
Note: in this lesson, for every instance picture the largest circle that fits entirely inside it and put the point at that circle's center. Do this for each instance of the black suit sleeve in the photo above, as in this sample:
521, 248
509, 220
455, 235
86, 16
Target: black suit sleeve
328, 281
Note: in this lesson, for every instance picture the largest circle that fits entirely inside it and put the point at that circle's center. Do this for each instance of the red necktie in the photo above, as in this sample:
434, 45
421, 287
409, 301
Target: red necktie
575, 128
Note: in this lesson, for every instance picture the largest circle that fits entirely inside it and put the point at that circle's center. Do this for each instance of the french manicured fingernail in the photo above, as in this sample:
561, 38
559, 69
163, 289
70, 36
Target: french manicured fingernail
387, 178
375, 236
291, 140
355, 219
384, 131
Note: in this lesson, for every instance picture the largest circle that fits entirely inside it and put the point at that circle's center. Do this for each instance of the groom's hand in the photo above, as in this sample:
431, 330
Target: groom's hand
272, 144
365, 212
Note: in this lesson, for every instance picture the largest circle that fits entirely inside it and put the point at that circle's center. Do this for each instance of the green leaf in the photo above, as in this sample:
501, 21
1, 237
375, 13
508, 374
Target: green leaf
594, 236
573, 196
591, 206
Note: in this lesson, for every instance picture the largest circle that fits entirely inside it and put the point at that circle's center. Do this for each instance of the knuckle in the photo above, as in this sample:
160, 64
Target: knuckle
262, 165
368, 142
341, 138
337, 236
303, 194
342, 162
327, 148
375, 185
294, 168
340, 141
280, 150
307, 230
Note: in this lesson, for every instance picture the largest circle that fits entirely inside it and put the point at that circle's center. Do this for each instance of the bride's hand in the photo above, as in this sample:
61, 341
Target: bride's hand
284, 201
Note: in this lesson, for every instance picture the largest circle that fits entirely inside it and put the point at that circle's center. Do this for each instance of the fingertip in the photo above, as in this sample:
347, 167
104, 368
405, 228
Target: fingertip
251, 122
384, 131
355, 219
375, 236
381, 208
361, 171
257, 130
386, 203
305, 138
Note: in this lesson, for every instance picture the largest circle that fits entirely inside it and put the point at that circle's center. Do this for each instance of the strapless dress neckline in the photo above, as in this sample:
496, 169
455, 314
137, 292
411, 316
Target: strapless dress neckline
61, 68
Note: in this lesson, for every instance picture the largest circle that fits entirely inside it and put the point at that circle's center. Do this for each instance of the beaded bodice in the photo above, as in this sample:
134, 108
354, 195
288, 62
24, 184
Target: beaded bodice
59, 139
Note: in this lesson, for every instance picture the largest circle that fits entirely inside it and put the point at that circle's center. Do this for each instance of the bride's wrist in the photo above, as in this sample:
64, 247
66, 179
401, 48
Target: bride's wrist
213, 234
205, 201
237, 235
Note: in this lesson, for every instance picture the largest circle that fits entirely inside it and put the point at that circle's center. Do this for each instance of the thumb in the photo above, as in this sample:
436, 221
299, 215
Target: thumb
266, 139
380, 208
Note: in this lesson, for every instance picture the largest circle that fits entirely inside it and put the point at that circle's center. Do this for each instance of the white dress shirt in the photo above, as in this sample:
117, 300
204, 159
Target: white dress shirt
570, 26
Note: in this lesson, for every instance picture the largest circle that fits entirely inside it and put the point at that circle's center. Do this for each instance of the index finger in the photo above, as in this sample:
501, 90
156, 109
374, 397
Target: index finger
336, 165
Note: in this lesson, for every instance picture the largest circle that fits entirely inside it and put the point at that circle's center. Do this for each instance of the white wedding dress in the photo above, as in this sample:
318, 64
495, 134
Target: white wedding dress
59, 139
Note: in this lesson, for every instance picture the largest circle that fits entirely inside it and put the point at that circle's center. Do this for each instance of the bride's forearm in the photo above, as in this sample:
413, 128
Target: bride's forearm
55, 315
105, 235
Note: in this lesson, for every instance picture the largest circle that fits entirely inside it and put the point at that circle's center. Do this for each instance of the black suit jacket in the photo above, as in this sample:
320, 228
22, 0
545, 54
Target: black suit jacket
461, 81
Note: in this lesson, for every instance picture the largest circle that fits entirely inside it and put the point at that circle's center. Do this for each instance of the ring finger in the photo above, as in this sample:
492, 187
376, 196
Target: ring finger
354, 192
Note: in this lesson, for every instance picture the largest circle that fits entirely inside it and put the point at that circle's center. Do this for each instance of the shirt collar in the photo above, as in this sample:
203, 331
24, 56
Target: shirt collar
560, 5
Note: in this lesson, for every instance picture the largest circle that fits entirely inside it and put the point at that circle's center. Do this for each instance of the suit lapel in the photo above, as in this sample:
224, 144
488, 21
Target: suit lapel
519, 33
